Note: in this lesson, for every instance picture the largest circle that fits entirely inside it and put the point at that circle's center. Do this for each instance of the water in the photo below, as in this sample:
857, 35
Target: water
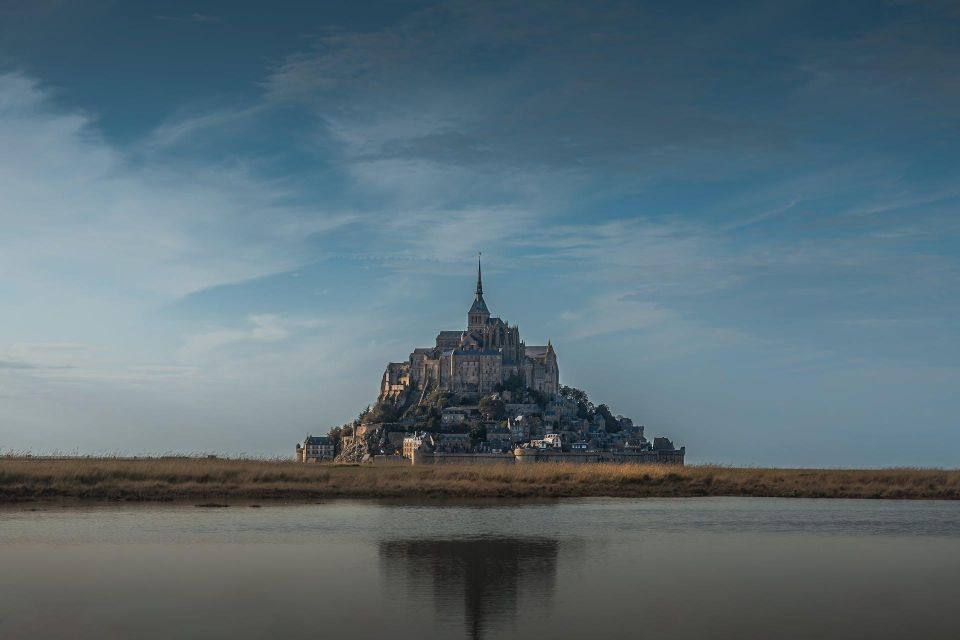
686, 568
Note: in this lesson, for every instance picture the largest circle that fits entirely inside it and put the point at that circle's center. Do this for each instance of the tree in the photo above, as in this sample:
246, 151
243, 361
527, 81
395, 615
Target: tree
584, 412
611, 424
434, 421
382, 412
585, 408
439, 398
417, 411
574, 393
514, 384
492, 409
478, 434
539, 398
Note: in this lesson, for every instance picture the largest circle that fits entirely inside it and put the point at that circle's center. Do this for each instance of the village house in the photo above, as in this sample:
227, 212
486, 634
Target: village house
316, 449
521, 408
417, 442
453, 442
549, 441
519, 428
499, 437
454, 415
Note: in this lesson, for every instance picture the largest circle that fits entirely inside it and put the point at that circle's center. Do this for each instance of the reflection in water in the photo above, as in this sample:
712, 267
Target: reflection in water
486, 578
687, 569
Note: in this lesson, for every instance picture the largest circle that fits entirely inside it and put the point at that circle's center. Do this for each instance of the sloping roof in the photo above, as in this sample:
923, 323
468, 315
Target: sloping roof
472, 351
537, 351
479, 306
456, 410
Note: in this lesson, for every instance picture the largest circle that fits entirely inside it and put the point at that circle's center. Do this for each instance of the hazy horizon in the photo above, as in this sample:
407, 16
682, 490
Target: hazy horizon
736, 223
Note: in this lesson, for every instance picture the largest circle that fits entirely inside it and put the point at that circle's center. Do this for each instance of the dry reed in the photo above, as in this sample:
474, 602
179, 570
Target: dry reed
161, 479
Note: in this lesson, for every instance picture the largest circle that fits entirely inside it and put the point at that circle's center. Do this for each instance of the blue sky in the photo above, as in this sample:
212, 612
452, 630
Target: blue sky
737, 222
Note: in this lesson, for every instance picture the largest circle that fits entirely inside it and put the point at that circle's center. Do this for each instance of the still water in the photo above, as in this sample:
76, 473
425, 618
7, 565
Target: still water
674, 568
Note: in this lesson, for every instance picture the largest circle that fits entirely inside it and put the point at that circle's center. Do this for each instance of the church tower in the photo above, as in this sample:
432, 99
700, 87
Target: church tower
479, 314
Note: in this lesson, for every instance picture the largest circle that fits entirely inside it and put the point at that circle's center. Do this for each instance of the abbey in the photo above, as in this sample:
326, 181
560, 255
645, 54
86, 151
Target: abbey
481, 395
489, 352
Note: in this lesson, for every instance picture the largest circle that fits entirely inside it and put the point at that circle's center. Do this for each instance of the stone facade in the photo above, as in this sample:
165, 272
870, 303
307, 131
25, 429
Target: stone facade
487, 353
417, 443
316, 449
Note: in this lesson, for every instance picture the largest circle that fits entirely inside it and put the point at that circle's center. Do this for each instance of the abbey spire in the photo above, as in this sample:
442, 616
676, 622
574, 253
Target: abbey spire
479, 314
490, 353
479, 277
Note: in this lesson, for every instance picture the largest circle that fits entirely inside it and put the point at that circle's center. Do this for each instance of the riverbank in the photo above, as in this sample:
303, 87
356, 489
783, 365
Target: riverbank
167, 479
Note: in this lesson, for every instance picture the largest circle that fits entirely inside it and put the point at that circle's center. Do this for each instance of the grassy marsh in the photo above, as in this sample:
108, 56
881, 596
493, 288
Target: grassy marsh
162, 479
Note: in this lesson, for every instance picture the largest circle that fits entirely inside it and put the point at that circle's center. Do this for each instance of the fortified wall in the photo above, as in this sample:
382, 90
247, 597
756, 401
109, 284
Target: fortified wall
528, 456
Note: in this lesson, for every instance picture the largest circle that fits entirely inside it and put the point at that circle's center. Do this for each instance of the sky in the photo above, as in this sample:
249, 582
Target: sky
736, 222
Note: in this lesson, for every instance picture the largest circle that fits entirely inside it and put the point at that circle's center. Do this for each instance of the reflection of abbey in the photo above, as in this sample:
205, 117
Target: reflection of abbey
487, 353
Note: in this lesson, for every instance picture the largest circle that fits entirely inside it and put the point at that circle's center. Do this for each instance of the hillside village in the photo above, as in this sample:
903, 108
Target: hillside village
482, 395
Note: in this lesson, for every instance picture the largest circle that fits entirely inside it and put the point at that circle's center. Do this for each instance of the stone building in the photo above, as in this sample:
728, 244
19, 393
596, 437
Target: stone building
417, 443
487, 353
316, 449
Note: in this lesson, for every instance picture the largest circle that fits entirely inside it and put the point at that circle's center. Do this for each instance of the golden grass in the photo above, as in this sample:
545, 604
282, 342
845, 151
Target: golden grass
157, 479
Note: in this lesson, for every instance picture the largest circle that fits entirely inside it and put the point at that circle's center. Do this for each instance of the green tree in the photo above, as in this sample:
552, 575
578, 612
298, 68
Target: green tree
335, 433
585, 408
539, 398
514, 384
610, 421
439, 398
493, 409
478, 434
383, 412
433, 422
573, 393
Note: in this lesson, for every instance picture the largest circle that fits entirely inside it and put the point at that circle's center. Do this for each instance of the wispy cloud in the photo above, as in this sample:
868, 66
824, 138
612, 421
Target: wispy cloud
46, 356
261, 328
185, 127
193, 17
16, 366
68, 195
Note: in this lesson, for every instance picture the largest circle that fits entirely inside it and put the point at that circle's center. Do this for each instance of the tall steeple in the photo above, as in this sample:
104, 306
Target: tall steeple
479, 314
479, 276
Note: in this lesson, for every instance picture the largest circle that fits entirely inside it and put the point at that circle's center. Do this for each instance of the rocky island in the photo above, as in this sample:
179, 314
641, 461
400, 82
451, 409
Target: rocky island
482, 395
